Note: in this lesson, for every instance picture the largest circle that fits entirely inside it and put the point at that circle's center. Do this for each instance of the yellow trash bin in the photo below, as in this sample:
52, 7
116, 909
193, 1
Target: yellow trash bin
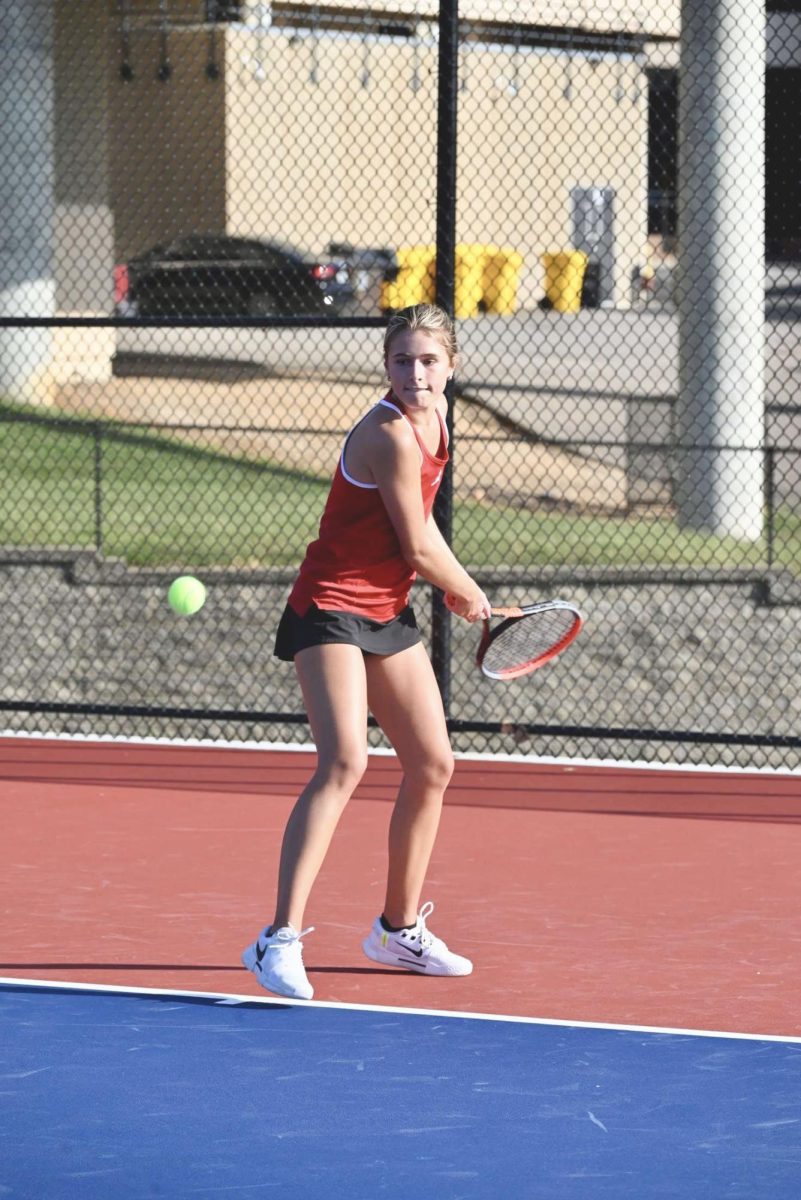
415, 283
502, 267
564, 279
469, 281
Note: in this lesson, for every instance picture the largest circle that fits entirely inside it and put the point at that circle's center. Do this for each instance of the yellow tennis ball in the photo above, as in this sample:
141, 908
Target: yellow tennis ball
187, 595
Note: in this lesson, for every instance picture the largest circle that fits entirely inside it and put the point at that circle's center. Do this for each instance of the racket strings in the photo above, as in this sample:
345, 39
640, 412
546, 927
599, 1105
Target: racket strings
527, 639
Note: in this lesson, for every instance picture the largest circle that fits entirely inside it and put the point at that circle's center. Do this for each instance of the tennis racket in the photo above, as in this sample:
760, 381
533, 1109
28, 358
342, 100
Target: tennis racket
527, 638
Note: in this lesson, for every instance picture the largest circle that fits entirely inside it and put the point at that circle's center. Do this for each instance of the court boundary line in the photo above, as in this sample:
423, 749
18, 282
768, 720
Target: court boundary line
382, 751
234, 999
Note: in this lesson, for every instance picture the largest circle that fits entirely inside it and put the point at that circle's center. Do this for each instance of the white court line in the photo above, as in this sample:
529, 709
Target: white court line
233, 998
468, 755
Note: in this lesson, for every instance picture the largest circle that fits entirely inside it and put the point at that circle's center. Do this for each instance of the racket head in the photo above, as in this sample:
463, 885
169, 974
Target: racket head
527, 638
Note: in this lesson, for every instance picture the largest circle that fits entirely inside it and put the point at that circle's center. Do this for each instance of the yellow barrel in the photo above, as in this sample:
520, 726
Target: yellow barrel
564, 279
502, 267
415, 283
469, 280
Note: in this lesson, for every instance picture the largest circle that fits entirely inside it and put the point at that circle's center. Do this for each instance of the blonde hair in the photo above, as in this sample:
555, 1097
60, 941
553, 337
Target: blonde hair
425, 318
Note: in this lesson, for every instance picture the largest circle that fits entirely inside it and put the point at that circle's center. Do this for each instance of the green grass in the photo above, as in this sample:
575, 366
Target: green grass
509, 535
165, 503
161, 502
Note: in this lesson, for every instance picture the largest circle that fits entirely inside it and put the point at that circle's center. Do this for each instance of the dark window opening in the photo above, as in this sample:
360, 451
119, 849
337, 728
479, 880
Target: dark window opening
663, 138
783, 163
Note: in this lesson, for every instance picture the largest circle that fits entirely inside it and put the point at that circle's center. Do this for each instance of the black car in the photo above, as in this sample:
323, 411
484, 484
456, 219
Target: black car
215, 275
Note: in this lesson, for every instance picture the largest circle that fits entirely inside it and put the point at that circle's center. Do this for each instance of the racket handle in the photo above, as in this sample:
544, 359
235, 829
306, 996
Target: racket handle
512, 611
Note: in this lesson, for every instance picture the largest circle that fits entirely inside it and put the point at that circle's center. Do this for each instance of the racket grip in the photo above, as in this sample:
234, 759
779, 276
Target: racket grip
509, 611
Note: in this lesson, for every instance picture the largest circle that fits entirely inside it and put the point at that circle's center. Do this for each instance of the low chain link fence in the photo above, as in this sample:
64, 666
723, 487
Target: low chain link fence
211, 209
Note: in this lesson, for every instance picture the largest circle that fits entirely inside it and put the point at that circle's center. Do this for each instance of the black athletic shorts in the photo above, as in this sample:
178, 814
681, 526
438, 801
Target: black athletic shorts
320, 627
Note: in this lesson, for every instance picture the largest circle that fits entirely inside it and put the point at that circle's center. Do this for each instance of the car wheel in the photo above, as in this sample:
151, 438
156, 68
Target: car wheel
262, 304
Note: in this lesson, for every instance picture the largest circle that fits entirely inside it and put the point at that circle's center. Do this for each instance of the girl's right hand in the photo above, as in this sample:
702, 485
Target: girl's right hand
472, 606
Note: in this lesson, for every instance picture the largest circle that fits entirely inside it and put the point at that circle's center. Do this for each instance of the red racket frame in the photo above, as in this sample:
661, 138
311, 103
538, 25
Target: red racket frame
514, 613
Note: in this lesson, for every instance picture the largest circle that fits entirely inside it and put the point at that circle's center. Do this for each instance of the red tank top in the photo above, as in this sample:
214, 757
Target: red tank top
356, 564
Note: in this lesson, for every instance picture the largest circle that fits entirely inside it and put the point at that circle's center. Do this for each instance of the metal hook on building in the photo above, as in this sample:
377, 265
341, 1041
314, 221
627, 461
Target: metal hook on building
165, 66
567, 90
314, 72
212, 66
263, 21
416, 80
515, 84
126, 67
365, 76
620, 91
641, 63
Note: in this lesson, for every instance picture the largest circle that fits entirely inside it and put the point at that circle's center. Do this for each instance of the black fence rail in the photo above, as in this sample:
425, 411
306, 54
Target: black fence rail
211, 213
609, 481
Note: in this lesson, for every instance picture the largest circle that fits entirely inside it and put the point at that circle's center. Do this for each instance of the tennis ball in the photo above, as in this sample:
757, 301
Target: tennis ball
186, 595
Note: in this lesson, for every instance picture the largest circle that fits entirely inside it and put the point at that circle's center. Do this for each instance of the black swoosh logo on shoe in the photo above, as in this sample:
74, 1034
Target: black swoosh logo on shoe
411, 962
260, 953
416, 953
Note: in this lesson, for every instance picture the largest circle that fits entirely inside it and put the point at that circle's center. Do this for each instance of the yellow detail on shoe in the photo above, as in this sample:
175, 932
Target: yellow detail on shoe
384, 939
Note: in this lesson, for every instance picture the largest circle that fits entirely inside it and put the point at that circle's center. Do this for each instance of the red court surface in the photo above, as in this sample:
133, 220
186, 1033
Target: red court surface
624, 895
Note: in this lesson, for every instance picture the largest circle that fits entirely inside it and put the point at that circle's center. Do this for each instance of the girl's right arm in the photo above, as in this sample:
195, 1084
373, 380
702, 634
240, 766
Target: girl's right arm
459, 602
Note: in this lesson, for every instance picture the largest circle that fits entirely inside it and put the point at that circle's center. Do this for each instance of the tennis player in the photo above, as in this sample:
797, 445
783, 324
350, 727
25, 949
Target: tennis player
352, 635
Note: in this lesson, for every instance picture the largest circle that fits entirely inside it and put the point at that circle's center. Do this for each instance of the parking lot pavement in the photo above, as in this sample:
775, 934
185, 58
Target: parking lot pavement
554, 374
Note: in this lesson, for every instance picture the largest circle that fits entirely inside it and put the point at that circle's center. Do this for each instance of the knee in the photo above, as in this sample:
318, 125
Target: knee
433, 773
444, 769
343, 772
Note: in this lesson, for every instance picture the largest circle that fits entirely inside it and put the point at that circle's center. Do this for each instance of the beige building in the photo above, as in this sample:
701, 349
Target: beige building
317, 123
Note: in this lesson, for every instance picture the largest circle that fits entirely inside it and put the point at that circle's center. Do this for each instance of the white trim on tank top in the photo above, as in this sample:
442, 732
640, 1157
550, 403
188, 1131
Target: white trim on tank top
394, 407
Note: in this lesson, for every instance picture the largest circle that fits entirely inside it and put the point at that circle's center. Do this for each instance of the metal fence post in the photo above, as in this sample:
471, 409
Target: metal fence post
770, 504
97, 432
445, 290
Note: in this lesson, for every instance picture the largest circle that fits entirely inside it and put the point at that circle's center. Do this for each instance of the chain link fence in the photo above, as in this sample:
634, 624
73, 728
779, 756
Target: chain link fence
210, 208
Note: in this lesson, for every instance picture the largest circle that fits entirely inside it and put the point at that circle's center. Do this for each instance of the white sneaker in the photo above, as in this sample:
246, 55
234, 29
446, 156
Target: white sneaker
276, 959
415, 949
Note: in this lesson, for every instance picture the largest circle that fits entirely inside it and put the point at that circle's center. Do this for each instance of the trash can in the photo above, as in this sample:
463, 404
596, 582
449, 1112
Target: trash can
415, 281
370, 267
591, 285
469, 280
501, 278
564, 279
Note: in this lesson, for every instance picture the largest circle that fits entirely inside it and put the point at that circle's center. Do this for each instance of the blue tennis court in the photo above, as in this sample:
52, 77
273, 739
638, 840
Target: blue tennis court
125, 1094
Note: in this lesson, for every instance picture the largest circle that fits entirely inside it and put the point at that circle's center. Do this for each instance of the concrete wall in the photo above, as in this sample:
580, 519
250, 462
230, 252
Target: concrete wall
135, 161
26, 195
783, 40
616, 16
532, 127
83, 220
84, 223
166, 142
333, 137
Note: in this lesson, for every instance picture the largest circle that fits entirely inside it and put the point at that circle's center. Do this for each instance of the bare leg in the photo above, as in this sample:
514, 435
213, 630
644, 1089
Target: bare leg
332, 679
404, 697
